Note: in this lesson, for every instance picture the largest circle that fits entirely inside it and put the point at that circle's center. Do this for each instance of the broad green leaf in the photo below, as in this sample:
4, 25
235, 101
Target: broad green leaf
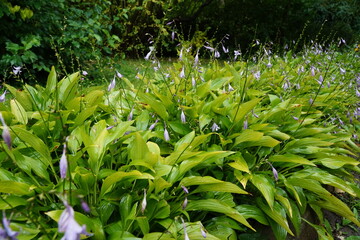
29, 164
336, 162
220, 187
203, 89
252, 211
51, 82
239, 163
184, 142
23, 97
119, 176
331, 202
143, 223
18, 111
154, 104
214, 205
11, 201
83, 115
35, 142
321, 231
17, 188
217, 83
265, 141
277, 213
238, 113
265, 186
158, 236
138, 149
160, 184
291, 158
278, 135
196, 180
248, 135
67, 87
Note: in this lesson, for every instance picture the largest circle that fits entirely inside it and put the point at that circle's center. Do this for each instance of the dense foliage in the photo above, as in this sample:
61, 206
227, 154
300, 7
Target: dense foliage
191, 151
36, 34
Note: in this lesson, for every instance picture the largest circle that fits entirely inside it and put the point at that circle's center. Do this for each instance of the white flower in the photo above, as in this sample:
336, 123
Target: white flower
3, 97
143, 203
17, 70
166, 135
182, 117
215, 127
182, 73
230, 88
63, 163
84, 73
147, 57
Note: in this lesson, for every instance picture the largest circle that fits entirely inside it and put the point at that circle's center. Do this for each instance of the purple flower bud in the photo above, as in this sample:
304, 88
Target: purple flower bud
311, 101
63, 163
295, 118
186, 236
342, 71
152, 126
245, 126
203, 233
181, 54
111, 85
184, 203
275, 173
166, 135
230, 88
185, 189
225, 50
84, 73
193, 82
196, 60
183, 117
357, 92
85, 206
143, 203
3, 97
217, 54
215, 127
172, 36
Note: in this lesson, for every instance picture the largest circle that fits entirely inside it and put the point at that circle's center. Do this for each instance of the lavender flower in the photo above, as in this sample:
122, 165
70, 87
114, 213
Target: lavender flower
63, 163
183, 117
143, 203
84, 73
119, 74
6, 133
257, 75
196, 59
7, 233
225, 50
230, 88
3, 97
181, 54
217, 54
172, 35
111, 85
236, 54
203, 232
17, 70
186, 236
68, 225
357, 92
215, 127
193, 82
275, 173
166, 135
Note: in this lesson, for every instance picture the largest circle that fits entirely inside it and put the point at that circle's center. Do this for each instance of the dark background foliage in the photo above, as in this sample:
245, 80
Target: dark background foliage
37, 34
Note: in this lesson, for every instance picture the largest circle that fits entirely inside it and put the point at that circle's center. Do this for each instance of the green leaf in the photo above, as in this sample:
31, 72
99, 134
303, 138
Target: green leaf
277, 213
214, 205
35, 142
238, 113
18, 111
17, 188
220, 187
119, 176
252, 211
51, 82
265, 186
248, 135
154, 105
291, 158
10, 202
67, 87
82, 116
143, 223
265, 141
